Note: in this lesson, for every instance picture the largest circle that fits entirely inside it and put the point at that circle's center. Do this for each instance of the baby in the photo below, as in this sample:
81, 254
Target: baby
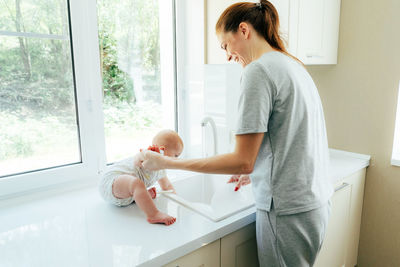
125, 182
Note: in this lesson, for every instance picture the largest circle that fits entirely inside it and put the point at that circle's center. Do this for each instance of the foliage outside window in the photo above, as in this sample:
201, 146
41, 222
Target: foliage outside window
129, 40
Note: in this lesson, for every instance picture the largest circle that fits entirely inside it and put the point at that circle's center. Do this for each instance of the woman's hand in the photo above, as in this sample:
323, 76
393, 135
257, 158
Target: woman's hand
239, 180
140, 158
152, 161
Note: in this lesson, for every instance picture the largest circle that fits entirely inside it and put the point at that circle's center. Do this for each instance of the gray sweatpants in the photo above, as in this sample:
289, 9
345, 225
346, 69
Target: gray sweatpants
290, 240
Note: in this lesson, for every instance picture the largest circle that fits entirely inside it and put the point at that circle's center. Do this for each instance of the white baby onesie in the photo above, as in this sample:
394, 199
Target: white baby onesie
126, 166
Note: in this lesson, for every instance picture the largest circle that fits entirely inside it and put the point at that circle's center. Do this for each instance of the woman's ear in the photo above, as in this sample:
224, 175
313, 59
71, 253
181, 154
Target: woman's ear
244, 30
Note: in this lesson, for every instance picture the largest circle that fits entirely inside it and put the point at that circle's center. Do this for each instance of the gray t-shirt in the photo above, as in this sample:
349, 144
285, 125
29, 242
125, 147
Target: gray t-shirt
280, 99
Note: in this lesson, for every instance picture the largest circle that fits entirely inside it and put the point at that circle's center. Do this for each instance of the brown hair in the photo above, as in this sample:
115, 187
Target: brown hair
262, 16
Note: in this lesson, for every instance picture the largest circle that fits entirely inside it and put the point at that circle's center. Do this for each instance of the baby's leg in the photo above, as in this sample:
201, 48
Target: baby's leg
121, 187
125, 186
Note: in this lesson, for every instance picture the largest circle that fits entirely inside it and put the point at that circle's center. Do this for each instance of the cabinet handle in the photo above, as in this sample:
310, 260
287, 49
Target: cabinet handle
341, 187
309, 55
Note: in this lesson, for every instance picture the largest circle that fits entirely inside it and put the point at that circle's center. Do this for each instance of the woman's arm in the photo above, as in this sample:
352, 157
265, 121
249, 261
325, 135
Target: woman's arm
241, 161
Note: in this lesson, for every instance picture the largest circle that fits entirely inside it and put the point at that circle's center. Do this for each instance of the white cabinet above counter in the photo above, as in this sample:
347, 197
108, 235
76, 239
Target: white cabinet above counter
310, 27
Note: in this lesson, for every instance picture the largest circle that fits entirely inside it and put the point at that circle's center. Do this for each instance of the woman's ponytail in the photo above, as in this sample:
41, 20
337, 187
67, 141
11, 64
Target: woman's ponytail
264, 18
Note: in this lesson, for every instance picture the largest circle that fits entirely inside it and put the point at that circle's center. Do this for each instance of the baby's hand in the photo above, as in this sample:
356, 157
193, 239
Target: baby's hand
154, 148
152, 192
140, 157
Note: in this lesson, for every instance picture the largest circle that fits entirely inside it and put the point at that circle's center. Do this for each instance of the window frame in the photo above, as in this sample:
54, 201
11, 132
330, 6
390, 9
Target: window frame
85, 60
190, 59
395, 160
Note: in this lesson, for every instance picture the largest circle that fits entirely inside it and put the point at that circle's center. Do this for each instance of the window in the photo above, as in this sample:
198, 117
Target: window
37, 98
396, 142
82, 84
137, 99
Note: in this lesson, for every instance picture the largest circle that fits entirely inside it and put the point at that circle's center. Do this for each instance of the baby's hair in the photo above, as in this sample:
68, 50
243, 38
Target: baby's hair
166, 137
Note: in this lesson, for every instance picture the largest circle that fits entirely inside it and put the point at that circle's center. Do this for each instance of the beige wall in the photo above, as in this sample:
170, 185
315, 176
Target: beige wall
359, 95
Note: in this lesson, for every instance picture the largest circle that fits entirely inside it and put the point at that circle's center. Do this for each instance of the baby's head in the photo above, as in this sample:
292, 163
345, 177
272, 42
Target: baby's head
170, 141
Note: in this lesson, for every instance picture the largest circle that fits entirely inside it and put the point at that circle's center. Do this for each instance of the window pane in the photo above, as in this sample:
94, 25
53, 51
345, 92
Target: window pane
37, 104
136, 102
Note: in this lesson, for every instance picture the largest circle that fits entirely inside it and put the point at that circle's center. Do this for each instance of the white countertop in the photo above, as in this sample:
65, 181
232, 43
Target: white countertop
78, 228
344, 163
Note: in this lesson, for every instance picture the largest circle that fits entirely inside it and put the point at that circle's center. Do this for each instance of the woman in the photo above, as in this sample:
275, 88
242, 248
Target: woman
281, 140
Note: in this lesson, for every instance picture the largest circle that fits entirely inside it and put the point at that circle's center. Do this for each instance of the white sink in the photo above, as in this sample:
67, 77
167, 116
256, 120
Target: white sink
210, 196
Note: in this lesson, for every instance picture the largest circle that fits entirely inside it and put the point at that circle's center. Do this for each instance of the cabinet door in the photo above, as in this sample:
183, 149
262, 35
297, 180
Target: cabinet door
282, 6
333, 251
239, 249
357, 181
207, 256
317, 30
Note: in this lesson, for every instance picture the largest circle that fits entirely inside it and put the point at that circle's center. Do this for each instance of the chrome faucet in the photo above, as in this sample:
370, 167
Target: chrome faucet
204, 122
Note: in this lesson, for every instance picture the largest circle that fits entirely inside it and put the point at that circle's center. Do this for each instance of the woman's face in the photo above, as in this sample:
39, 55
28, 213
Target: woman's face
234, 45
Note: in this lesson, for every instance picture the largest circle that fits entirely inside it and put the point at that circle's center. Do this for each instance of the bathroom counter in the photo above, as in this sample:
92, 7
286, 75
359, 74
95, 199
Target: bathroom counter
77, 228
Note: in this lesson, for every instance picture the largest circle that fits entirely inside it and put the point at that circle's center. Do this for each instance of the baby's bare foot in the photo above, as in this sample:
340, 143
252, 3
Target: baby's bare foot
160, 217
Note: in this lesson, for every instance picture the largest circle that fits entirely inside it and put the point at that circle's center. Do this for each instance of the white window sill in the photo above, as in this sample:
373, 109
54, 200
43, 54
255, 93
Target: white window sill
78, 184
47, 191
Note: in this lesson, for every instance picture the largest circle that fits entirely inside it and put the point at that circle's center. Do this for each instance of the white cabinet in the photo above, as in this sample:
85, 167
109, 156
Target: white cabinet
333, 251
240, 248
340, 247
207, 256
318, 31
310, 27
357, 181
236, 249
